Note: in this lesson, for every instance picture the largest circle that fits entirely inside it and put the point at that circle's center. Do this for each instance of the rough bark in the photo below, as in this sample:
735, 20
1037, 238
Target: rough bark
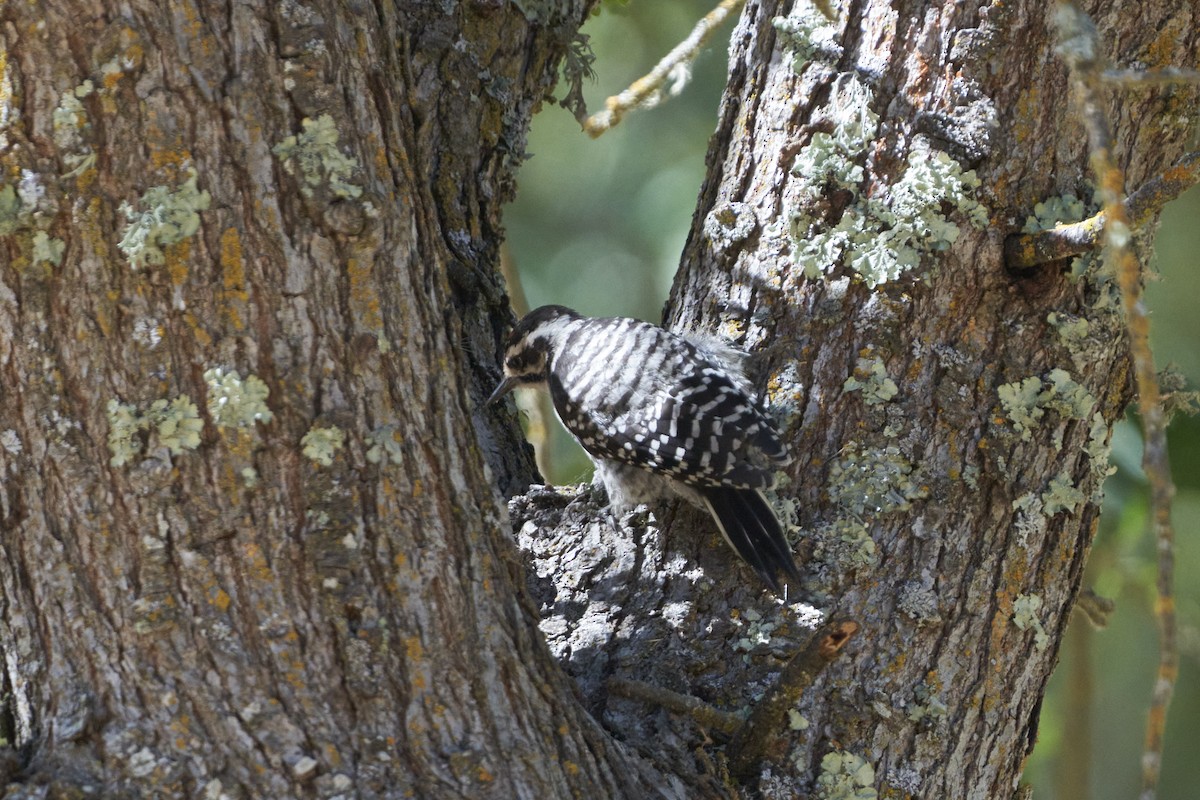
949, 513
310, 593
210, 590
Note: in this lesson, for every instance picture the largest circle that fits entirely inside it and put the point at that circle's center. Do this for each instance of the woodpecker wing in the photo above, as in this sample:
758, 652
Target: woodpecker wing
693, 423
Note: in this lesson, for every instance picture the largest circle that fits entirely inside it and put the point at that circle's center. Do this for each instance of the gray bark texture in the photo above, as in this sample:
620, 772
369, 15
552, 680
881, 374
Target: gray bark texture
252, 535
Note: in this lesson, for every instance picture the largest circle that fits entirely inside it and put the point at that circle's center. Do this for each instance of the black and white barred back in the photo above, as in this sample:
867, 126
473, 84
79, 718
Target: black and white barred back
659, 413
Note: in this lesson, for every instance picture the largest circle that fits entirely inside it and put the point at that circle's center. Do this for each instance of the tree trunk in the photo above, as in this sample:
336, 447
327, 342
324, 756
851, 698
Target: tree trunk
251, 546
950, 421
251, 539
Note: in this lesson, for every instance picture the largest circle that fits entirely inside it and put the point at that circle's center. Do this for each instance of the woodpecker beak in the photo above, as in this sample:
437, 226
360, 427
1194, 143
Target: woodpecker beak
506, 386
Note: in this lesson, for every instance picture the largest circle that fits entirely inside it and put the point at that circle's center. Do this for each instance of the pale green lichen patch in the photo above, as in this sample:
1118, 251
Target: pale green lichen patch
1025, 617
14, 214
164, 217
845, 776
1025, 402
385, 446
1071, 330
882, 236
927, 705
1099, 447
1055, 211
314, 151
47, 248
871, 378
846, 542
1061, 495
234, 402
756, 631
1031, 517
873, 480
176, 425
807, 34
124, 422
66, 121
1022, 405
796, 720
1068, 397
321, 444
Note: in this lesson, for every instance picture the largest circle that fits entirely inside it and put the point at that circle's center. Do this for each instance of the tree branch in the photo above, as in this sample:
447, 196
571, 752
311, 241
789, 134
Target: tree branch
761, 735
1148, 78
1080, 47
1027, 250
647, 90
682, 704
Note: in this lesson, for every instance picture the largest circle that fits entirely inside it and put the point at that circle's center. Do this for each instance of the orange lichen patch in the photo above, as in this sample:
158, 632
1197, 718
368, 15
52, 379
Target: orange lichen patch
1000, 624
413, 650
111, 79
85, 178
233, 270
897, 664
484, 776
1178, 174
1029, 103
100, 315
221, 600
380, 154
914, 371
363, 299
202, 336
192, 25
175, 158
134, 54
400, 560
256, 561
5, 82
176, 258
1161, 52
571, 767
332, 755
233, 276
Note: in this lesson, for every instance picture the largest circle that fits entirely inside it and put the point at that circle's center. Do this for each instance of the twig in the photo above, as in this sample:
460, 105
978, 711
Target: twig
1149, 78
1079, 46
648, 89
764, 731
1026, 250
682, 704
1096, 609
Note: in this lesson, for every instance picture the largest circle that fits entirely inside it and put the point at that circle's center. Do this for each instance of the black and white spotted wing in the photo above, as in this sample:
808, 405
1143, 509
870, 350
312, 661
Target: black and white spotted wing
657, 402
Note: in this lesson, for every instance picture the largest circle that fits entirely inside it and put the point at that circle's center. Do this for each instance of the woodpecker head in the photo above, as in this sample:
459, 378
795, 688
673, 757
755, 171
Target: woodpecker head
527, 349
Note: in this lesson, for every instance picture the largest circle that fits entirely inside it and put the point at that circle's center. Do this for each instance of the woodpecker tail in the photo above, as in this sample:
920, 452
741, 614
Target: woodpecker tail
750, 526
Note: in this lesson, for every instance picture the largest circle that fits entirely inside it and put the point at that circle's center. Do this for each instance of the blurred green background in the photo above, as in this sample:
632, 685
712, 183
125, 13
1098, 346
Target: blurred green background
599, 225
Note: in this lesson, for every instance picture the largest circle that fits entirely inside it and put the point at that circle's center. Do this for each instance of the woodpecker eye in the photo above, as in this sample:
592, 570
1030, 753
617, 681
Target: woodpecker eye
510, 363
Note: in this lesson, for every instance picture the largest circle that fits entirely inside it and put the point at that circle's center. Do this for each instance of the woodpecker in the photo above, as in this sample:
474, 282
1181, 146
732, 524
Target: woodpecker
659, 414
